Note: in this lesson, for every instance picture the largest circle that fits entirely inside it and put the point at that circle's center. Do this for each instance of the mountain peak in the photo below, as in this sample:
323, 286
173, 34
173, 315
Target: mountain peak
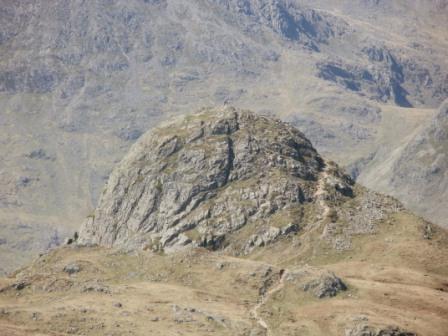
198, 179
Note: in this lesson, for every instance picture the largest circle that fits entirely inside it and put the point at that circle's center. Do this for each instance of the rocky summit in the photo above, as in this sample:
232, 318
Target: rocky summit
226, 222
216, 174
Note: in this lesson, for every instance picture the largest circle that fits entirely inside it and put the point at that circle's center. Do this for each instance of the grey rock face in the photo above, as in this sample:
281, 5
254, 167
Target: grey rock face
198, 179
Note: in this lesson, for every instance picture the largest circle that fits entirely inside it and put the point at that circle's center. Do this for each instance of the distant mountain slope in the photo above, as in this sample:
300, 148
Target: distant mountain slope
81, 80
416, 172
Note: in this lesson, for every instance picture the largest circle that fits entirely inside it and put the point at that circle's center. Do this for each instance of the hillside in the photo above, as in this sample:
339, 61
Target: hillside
81, 81
228, 223
415, 172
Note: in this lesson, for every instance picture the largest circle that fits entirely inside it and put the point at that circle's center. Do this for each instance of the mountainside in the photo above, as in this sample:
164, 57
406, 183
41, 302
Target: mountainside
81, 80
225, 222
416, 172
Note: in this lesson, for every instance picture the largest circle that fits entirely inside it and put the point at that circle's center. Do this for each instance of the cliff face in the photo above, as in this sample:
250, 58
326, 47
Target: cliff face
198, 179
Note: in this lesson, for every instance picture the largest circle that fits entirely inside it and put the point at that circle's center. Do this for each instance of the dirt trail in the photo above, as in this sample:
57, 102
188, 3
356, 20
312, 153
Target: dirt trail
265, 298
319, 195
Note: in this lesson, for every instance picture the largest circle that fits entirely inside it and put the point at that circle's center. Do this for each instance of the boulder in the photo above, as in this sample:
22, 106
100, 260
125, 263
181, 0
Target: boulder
326, 285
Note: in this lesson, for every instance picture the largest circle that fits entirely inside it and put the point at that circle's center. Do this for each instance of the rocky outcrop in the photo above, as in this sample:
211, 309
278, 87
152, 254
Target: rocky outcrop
326, 285
197, 180
319, 282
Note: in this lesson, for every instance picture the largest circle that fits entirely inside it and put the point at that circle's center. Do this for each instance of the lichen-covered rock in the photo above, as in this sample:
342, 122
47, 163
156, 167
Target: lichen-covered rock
198, 179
